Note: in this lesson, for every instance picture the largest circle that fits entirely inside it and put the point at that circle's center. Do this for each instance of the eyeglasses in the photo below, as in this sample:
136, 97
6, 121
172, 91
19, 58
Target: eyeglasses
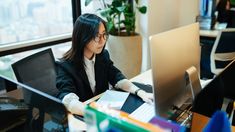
98, 37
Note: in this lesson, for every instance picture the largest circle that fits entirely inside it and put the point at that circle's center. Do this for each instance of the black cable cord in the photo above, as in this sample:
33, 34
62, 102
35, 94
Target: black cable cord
174, 107
181, 111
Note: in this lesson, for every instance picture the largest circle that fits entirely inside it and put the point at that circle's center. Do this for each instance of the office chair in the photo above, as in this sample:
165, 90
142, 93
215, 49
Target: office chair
38, 71
231, 19
223, 50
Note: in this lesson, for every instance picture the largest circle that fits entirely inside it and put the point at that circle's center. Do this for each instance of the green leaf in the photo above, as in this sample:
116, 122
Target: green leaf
116, 3
87, 2
110, 26
142, 9
120, 15
105, 12
121, 8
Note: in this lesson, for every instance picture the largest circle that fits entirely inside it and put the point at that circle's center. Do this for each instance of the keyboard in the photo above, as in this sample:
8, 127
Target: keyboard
144, 113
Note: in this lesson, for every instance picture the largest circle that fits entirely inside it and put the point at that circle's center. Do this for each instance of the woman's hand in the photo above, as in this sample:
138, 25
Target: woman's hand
145, 96
126, 85
73, 105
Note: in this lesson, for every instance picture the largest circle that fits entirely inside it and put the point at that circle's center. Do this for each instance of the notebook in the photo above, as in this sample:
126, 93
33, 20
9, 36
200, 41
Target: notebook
113, 99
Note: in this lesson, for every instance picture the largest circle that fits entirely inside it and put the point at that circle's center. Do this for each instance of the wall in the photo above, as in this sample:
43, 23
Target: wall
163, 15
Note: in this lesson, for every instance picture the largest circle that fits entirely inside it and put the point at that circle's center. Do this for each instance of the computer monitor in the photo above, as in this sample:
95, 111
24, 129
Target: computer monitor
207, 8
210, 99
44, 103
172, 53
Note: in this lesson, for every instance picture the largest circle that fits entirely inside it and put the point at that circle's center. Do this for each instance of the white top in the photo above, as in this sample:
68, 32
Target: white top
90, 71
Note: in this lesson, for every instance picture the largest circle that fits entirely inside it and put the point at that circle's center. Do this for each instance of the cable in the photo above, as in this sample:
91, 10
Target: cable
181, 114
174, 107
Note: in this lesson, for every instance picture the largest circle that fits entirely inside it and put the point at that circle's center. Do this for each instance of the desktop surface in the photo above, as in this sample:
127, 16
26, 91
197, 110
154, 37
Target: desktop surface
143, 78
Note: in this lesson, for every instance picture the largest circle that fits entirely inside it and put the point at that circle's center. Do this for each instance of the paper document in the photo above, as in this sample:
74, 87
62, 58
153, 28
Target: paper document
144, 113
113, 99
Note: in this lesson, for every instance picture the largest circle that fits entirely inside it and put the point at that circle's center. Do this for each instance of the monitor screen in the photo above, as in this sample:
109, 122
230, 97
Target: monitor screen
172, 53
210, 99
207, 8
43, 102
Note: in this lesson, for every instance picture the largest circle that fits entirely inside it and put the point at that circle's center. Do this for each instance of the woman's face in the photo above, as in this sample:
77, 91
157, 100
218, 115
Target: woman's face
96, 45
227, 5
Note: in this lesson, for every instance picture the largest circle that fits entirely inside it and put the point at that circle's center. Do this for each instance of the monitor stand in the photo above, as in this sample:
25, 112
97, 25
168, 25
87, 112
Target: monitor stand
183, 113
193, 81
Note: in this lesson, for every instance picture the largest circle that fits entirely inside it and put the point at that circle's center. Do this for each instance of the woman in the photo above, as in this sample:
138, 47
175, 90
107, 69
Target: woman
86, 69
223, 8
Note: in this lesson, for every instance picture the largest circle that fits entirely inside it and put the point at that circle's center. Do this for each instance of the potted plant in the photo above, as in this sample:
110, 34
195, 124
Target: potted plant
124, 44
120, 15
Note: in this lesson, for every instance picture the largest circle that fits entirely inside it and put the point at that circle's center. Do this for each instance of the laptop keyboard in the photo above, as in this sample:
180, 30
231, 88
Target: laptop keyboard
182, 114
144, 113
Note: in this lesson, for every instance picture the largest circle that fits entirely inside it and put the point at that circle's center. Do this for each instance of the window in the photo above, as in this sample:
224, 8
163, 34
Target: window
6, 61
22, 20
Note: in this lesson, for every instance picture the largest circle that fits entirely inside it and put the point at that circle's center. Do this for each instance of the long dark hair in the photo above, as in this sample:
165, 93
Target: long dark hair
222, 11
85, 29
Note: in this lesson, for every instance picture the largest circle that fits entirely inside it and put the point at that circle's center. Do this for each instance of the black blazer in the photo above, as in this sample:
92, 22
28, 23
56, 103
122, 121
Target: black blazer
71, 79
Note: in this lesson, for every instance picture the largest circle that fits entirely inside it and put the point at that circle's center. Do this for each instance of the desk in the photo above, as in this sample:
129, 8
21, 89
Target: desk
145, 78
199, 122
214, 32
209, 33
17, 94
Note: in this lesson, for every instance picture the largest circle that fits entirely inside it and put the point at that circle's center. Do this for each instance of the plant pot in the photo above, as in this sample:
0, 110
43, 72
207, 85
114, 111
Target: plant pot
126, 53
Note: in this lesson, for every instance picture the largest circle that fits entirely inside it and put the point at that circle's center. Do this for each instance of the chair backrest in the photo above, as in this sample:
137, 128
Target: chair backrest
223, 50
38, 71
